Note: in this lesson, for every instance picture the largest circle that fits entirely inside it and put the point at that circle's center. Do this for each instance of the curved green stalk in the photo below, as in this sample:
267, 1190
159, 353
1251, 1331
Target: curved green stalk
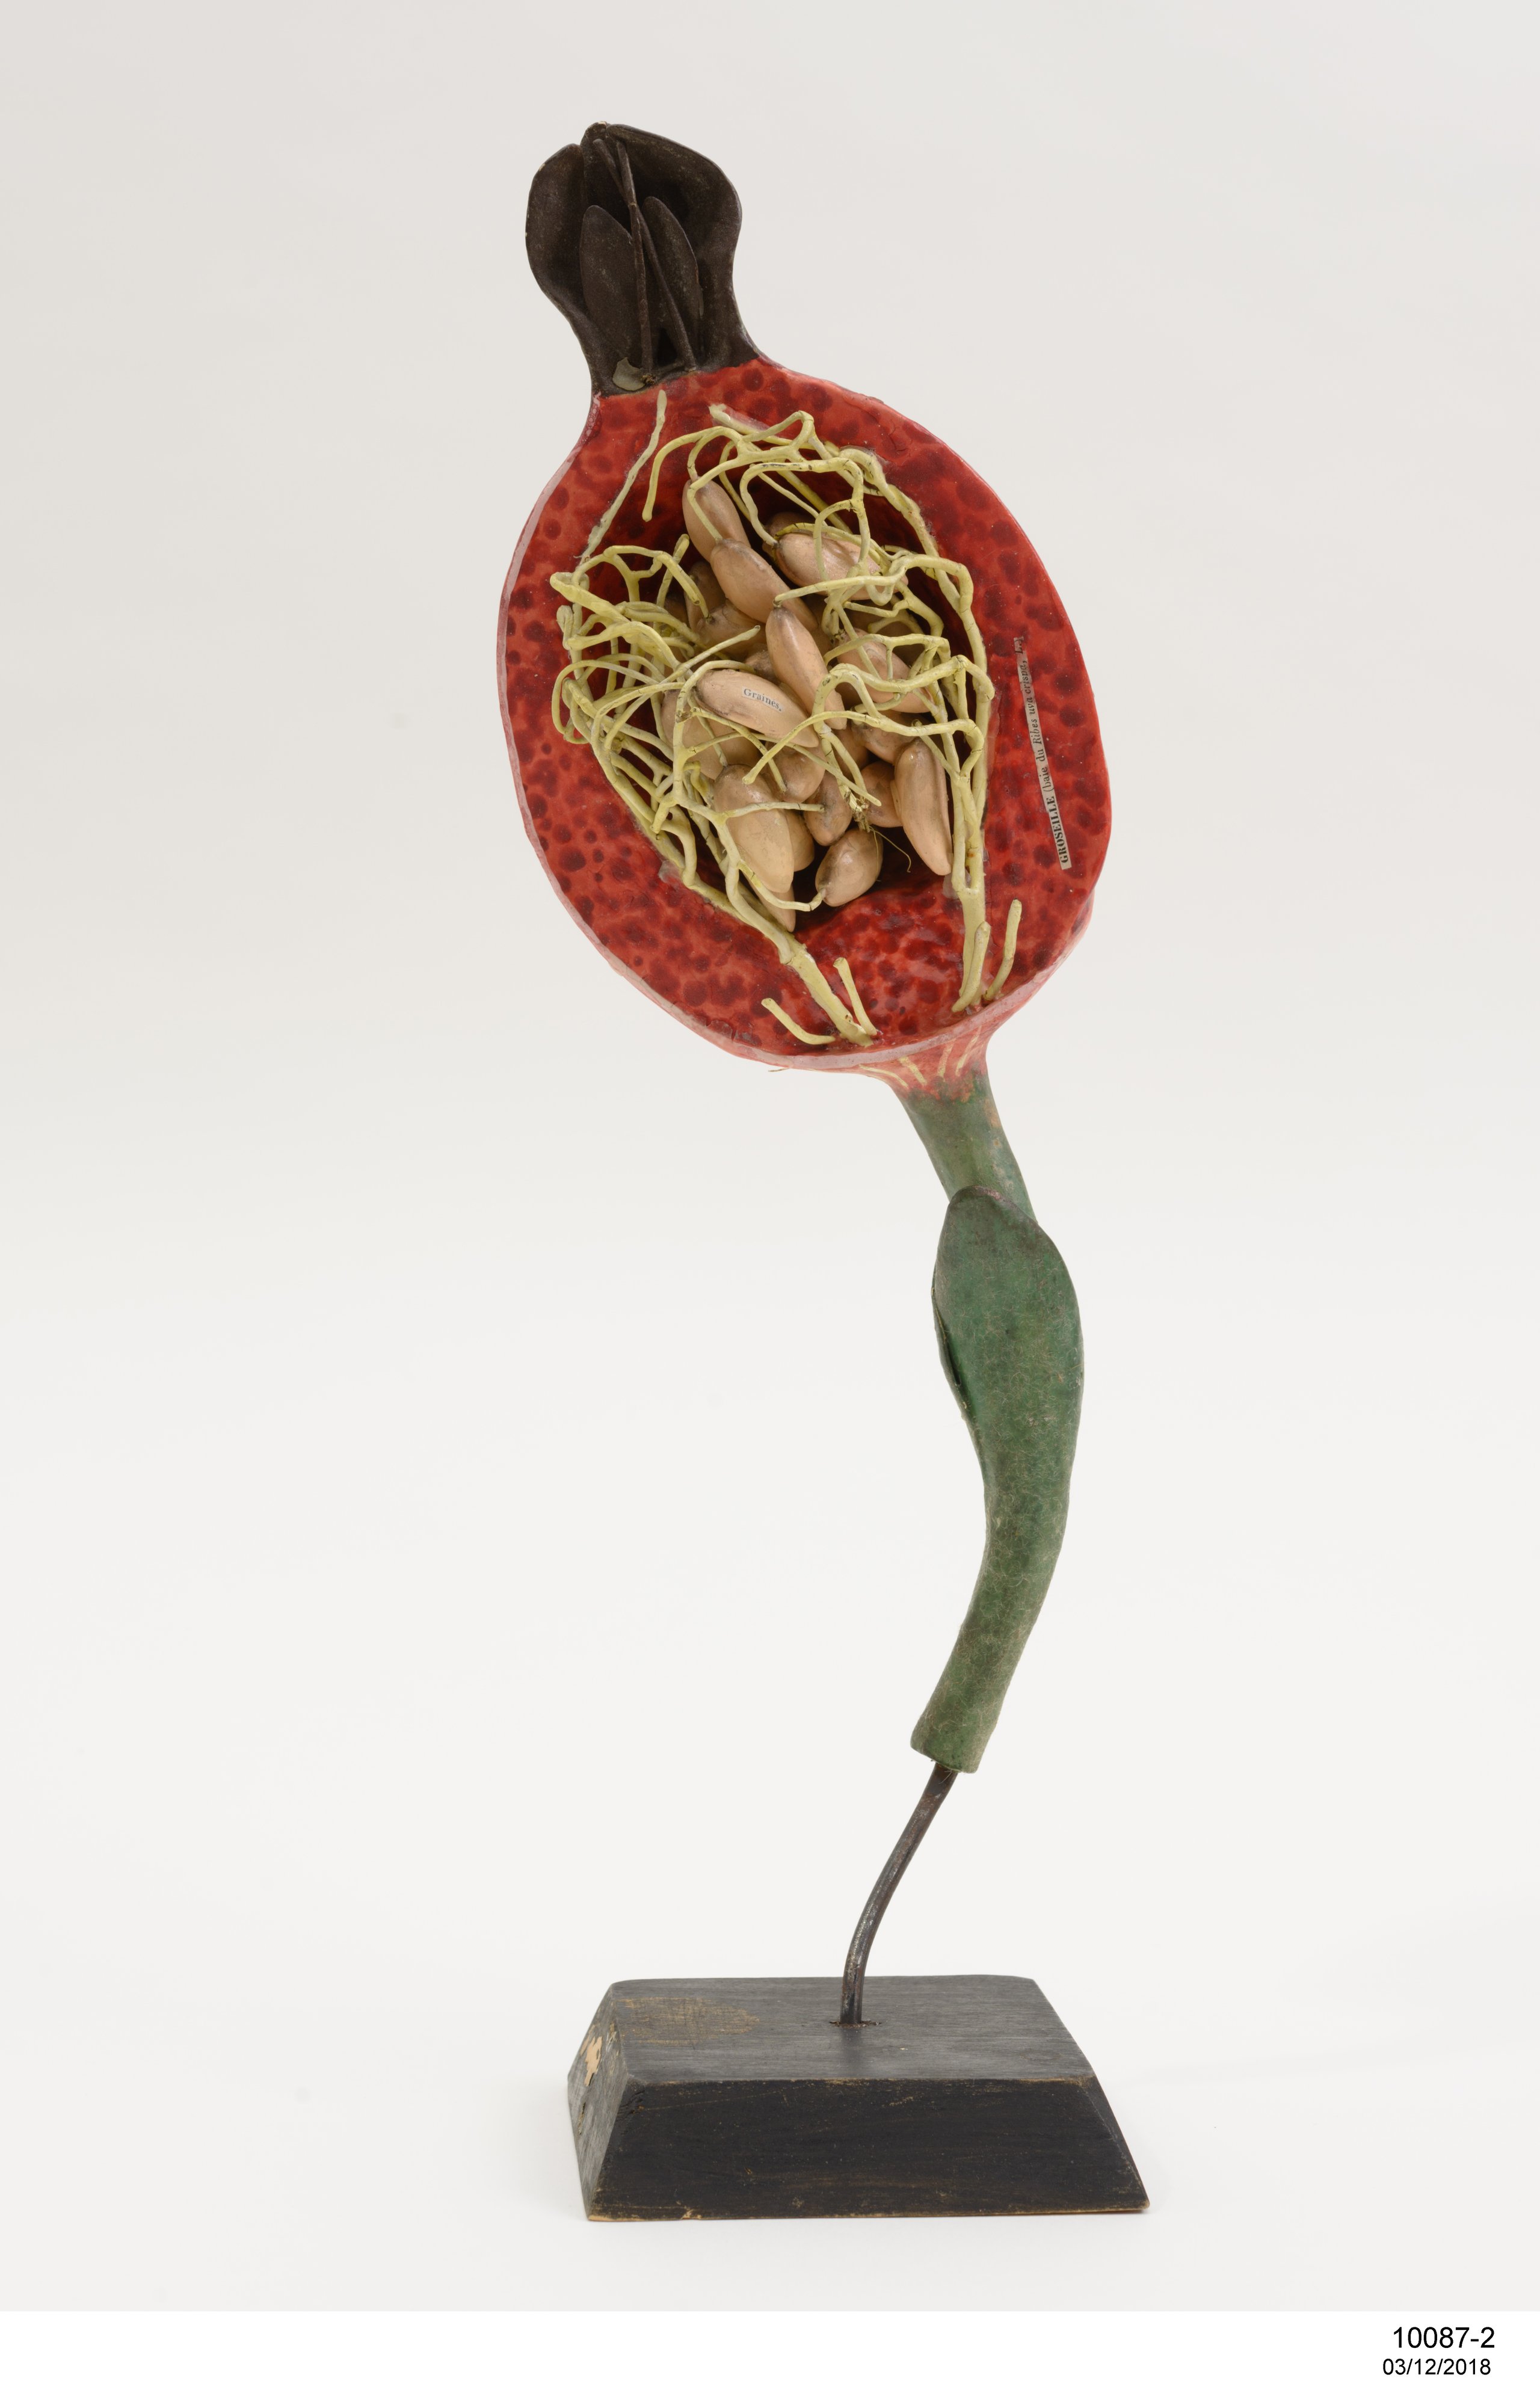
1009, 1329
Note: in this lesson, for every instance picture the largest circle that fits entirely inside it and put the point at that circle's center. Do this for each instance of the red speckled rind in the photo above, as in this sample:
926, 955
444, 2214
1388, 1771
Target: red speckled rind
904, 941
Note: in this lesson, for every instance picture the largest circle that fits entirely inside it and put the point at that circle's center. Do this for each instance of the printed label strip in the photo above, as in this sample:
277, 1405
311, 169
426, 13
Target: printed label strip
1045, 778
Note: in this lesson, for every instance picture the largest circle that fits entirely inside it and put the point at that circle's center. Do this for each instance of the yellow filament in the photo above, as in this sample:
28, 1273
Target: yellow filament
973, 970
862, 1016
1012, 924
808, 1038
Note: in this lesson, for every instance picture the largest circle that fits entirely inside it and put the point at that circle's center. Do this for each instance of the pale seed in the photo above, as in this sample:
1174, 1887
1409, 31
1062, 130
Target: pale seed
878, 781
762, 835
798, 661
760, 661
919, 786
801, 775
872, 657
798, 552
884, 743
887, 675
758, 705
850, 866
833, 814
710, 594
714, 749
803, 848
711, 515
712, 746
751, 582
727, 624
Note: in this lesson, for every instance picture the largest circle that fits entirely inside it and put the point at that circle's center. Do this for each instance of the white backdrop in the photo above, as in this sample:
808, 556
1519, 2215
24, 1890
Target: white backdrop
404, 1320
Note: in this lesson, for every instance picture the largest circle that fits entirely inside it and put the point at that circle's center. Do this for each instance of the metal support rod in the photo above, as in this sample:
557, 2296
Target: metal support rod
937, 1788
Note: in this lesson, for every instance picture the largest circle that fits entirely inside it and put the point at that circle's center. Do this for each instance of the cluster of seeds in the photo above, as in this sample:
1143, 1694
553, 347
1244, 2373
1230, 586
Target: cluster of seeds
779, 694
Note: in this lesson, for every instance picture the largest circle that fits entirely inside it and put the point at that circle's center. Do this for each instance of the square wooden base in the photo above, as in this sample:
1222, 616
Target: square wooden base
740, 2098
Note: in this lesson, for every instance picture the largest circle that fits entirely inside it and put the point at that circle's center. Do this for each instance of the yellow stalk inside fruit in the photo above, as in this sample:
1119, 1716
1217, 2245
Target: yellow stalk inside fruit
630, 687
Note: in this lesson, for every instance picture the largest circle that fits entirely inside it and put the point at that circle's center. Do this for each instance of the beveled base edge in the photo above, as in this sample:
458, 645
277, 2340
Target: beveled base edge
727, 2098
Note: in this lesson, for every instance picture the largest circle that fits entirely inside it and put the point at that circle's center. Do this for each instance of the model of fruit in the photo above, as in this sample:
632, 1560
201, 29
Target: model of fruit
803, 737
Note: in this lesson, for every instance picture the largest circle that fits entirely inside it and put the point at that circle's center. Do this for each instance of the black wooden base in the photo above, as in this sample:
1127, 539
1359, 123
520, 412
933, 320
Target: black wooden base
740, 2098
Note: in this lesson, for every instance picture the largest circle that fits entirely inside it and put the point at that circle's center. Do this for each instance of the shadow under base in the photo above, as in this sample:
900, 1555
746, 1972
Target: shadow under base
741, 2097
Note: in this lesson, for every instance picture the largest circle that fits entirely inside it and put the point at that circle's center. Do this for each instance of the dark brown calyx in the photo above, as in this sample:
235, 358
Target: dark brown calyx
633, 237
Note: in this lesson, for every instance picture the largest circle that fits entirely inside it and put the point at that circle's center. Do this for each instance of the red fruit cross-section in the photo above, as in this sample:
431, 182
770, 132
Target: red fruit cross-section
904, 939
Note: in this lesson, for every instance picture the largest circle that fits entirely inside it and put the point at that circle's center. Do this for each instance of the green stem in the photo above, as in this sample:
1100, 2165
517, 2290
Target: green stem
1009, 1329
965, 1138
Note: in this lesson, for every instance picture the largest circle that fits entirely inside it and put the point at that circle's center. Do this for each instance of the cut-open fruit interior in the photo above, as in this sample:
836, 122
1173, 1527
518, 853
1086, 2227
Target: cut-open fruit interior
772, 605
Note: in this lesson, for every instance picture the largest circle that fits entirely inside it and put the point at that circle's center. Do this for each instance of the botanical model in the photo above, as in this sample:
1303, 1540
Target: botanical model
806, 742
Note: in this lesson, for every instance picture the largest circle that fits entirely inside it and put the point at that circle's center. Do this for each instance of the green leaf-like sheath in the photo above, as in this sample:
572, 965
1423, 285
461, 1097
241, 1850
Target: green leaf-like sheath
1009, 1328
